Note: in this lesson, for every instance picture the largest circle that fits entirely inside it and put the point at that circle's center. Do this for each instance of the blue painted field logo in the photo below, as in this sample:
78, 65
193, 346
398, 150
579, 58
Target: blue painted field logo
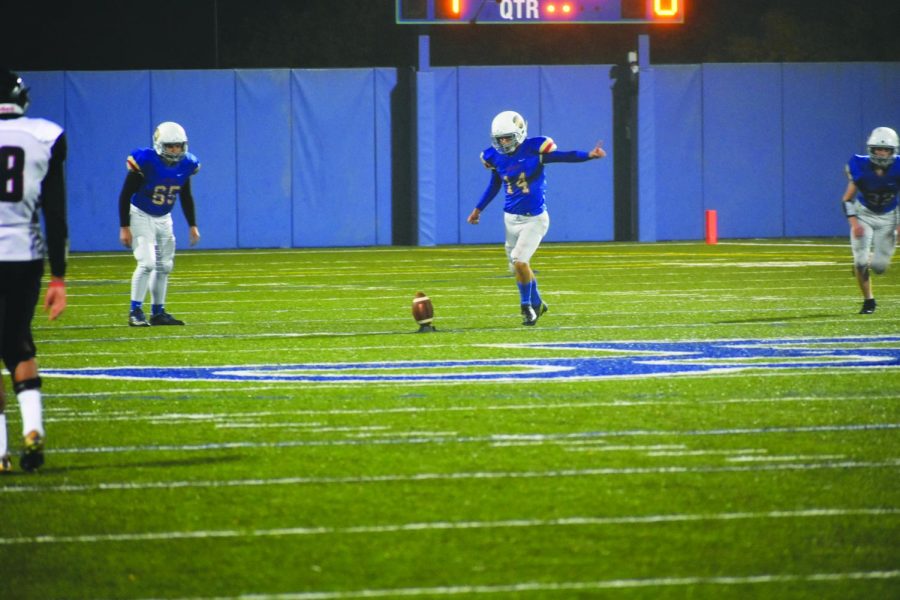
595, 360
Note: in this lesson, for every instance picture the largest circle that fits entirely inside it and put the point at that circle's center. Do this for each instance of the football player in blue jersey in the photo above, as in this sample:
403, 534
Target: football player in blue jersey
32, 183
517, 164
870, 203
156, 177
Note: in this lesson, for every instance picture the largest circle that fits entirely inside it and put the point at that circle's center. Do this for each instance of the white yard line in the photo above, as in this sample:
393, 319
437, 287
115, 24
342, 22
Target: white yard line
62, 415
889, 464
578, 521
573, 586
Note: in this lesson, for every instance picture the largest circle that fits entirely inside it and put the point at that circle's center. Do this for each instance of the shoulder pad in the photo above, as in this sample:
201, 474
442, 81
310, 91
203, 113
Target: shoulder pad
894, 169
42, 129
487, 158
138, 158
546, 145
193, 161
856, 164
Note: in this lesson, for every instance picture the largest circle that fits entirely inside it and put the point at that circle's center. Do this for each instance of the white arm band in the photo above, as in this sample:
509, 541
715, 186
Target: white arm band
849, 208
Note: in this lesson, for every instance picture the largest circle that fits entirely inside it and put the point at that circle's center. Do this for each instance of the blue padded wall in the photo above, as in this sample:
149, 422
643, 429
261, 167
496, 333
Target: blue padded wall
678, 154
580, 195
819, 98
209, 120
426, 159
107, 117
333, 162
263, 158
762, 144
386, 83
742, 151
452, 208
310, 157
48, 95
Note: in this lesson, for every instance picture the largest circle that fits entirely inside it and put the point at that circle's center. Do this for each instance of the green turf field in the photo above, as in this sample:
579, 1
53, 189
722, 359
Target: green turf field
725, 427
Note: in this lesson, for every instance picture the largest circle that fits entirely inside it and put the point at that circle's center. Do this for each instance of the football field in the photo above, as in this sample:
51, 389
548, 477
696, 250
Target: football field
687, 421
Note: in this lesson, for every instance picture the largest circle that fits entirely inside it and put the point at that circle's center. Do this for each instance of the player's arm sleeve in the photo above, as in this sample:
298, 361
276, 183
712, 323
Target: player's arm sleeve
131, 185
491, 191
187, 204
572, 156
53, 206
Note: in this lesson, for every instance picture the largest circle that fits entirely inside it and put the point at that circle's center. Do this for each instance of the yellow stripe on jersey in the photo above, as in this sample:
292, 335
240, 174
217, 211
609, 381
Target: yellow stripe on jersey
132, 164
548, 146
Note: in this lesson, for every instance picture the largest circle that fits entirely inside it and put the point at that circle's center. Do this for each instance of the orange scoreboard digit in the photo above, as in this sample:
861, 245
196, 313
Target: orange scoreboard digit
512, 12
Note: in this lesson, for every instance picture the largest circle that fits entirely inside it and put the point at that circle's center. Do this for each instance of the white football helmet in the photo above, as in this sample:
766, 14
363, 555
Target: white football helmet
170, 133
508, 130
883, 137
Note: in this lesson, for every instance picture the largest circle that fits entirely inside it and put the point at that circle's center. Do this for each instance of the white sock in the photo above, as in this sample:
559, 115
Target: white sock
30, 406
4, 444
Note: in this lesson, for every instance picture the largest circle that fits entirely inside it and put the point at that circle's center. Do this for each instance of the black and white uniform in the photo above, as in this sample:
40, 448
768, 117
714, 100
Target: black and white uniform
32, 156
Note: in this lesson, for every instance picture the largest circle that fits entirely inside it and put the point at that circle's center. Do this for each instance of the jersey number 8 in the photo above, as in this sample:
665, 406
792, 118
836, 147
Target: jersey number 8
12, 174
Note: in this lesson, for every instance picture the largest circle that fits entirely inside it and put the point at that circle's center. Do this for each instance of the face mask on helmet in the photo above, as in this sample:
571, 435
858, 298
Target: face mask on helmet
13, 94
882, 146
508, 130
170, 141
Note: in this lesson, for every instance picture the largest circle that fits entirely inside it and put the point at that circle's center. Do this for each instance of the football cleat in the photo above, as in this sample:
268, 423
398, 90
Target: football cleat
5, 464
137, 319
541, 310
868, 307
32, 452
164, 318
529, 316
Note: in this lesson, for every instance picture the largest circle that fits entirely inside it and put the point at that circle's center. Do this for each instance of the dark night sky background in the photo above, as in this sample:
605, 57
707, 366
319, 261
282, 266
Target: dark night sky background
202, 34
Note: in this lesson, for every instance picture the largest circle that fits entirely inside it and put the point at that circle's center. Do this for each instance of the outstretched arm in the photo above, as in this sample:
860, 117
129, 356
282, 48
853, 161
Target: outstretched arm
574, 156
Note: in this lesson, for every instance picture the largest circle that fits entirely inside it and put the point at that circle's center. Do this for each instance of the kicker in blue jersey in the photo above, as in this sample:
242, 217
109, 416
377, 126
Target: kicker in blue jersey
517, 164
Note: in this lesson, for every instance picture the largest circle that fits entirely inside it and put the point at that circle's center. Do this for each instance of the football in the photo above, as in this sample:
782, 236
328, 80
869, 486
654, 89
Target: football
423, 311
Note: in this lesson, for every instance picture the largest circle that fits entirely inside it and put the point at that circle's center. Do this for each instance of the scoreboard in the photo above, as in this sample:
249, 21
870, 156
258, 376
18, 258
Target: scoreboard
450, 12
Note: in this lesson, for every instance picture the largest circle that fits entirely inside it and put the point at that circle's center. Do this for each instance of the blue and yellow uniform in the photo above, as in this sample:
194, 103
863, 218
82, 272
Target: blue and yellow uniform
156, 178
517, 163
162, 182
522, 174
878, 193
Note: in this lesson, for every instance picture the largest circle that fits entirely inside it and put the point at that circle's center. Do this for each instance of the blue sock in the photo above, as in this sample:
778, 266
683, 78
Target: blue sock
535, 296
156, 309
136, 305
525, 292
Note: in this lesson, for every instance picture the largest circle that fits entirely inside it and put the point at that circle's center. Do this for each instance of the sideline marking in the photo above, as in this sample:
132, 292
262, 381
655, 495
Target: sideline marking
610, 360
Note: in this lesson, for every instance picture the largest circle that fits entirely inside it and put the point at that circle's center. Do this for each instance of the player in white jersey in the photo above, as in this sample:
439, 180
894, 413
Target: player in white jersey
32, 180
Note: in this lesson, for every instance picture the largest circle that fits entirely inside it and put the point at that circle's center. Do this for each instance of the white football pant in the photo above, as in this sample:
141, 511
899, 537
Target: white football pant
876, 247
524, 235
153, 242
